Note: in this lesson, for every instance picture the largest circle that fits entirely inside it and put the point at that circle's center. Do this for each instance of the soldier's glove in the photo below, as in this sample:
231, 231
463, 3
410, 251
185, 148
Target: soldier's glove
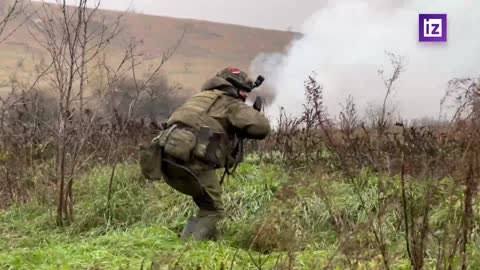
258, 104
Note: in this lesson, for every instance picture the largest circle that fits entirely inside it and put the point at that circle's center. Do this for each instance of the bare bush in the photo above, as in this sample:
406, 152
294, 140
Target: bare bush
156, 102
80, 121
429, 166
11, 11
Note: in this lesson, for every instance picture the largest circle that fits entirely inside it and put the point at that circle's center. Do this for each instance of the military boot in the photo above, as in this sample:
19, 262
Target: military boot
206, 229
189, 228
200, 229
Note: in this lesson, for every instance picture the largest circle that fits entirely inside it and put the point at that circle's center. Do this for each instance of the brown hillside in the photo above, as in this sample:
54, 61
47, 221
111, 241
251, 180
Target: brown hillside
205, 48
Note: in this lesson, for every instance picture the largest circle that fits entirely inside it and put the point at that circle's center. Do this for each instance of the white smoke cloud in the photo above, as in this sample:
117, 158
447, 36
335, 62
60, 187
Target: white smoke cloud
344, 43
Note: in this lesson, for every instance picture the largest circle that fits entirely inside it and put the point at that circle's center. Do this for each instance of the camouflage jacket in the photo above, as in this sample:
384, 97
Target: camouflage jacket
219, 108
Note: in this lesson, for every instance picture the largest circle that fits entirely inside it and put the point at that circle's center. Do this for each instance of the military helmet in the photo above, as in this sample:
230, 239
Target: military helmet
239, 79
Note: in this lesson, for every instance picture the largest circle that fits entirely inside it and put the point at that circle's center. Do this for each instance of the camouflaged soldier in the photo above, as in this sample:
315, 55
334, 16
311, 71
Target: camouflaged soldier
199, 138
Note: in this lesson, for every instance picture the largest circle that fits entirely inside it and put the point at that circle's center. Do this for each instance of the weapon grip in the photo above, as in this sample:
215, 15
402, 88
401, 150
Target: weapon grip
258, 104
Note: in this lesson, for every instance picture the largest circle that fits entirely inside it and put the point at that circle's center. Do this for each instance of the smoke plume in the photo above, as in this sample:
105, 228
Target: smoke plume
344, 43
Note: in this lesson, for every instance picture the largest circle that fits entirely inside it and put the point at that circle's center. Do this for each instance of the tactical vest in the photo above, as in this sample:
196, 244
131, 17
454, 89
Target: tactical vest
193, 133
195, 112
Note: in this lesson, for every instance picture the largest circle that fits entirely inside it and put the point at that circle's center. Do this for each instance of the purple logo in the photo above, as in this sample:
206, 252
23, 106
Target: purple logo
432, 27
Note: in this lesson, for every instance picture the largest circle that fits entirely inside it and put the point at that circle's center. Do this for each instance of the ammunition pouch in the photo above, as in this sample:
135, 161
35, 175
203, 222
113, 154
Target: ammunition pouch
177, 142
183, 143
151, 161
172, 142
211, 147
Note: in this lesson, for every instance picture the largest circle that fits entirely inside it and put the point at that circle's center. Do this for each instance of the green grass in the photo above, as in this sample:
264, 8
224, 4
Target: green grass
272, 217
142, 225
132, 248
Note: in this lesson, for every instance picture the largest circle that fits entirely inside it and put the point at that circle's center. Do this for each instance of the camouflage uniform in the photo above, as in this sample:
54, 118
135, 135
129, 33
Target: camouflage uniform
200, 137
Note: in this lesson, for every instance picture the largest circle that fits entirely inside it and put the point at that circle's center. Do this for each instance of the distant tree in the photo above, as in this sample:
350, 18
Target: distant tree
77, 40
10, 11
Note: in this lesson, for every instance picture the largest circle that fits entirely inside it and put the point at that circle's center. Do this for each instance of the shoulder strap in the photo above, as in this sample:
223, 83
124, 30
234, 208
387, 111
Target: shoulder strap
217, 94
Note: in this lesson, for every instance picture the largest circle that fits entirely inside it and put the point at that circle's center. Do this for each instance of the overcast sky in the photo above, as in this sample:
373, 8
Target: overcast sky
272, 14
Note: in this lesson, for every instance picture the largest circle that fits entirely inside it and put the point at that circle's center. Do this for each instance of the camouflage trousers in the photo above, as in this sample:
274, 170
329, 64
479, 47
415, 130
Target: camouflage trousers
205, 189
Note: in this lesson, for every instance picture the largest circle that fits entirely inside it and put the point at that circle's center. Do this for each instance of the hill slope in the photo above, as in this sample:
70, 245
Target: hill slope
205, 48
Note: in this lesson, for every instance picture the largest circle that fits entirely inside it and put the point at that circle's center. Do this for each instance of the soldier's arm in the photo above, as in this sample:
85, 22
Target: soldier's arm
250, 123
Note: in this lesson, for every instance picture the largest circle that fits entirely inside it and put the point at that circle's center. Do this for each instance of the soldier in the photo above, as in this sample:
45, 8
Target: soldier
201, 136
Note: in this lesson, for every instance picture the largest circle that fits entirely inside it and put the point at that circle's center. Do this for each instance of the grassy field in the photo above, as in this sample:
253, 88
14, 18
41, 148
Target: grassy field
273, 221
312, 195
